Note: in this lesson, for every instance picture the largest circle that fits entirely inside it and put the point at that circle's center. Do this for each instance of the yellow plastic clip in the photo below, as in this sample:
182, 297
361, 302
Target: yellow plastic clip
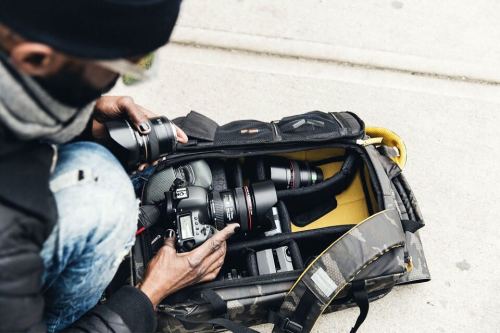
391, 139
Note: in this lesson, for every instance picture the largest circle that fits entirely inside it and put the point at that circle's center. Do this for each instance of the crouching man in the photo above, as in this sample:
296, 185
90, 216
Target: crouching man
68, 213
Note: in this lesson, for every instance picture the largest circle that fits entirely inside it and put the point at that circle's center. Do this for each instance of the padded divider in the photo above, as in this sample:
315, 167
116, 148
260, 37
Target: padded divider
286, 223
322, 194
254, 169
332, 233
219, 181
297, 261
252, 267
234, 173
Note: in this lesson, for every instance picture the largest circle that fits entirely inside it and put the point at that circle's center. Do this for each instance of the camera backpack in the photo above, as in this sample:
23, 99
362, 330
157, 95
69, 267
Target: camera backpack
345, 241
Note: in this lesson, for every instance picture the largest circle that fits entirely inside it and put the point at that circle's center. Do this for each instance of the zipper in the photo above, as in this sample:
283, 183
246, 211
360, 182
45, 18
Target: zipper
249, 150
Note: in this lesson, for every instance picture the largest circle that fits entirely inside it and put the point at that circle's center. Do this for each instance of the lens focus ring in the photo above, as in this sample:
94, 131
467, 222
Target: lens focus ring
218, 211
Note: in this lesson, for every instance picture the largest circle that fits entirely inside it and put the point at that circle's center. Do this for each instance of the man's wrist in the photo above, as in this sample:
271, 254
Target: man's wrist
154, 295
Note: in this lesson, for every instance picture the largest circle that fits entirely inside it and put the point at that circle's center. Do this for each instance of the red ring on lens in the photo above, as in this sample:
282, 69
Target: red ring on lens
248, 199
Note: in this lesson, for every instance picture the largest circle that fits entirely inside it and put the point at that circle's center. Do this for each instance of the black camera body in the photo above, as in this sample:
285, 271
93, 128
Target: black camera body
198, 213
187, 207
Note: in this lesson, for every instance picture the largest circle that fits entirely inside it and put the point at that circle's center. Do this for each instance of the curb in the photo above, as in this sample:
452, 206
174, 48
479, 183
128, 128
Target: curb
488, 74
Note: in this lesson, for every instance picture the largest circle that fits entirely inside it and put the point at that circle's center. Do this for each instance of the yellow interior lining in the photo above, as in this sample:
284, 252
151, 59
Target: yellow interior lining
351, 204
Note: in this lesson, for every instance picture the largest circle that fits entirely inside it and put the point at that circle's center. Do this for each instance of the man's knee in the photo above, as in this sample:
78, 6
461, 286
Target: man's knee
94, 194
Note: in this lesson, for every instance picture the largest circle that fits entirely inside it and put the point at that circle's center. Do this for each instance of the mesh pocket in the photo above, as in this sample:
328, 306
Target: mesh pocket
244, 132
315, 124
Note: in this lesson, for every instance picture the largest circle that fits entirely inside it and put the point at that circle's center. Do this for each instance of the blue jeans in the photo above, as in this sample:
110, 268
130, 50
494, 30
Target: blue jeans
96, 227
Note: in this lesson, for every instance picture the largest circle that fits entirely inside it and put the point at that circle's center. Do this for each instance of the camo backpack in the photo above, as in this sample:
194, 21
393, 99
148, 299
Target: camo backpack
348, 245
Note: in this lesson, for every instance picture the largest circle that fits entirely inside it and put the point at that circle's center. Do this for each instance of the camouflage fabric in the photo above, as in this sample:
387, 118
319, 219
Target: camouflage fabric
376, 288
359, 248
248, 305
420, 271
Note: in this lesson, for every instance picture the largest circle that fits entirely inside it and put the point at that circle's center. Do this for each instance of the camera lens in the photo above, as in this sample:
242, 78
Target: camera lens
245, 205
133, 148
290, 174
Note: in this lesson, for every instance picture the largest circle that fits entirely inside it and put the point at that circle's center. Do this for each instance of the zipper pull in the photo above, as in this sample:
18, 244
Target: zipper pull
370, 141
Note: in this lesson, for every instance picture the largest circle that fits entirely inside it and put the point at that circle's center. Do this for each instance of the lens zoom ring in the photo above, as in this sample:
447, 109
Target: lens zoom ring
218, 212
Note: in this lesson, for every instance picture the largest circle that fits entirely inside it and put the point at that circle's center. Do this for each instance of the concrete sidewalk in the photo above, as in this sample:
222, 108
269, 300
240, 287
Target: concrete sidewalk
428, 71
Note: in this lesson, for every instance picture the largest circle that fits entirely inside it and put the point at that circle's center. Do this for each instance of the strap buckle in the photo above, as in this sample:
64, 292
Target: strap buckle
289, 326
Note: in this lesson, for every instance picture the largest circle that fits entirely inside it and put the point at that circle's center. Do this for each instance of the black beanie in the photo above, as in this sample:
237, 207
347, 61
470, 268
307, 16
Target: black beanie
93, 29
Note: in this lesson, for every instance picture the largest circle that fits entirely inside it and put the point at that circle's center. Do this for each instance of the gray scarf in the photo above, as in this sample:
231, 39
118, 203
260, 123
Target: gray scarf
31, 114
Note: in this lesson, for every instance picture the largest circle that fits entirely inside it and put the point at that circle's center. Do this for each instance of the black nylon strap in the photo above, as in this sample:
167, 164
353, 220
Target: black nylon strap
284, 324
304, 307
360, 296
411, 225
219, 306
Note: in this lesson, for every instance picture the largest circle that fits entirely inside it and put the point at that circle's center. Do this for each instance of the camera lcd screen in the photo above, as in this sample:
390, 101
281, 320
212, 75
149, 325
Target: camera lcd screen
186, 227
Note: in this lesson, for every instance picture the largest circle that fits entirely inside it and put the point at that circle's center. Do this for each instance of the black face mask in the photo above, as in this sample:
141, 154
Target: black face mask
69, 87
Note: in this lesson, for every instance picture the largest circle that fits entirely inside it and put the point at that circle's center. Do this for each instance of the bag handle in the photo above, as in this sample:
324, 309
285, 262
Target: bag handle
335, 268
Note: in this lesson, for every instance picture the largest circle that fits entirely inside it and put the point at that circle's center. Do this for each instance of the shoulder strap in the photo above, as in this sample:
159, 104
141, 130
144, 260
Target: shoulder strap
335, 268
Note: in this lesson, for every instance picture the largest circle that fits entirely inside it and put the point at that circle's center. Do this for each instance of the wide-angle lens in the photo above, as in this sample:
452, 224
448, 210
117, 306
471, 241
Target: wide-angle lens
133, 148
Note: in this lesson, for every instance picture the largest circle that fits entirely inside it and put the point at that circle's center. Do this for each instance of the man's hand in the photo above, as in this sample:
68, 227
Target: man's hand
113, 107
170, 271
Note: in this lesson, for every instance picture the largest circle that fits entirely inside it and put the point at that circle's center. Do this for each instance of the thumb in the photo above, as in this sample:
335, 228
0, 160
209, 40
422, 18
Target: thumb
181, 135
170, 241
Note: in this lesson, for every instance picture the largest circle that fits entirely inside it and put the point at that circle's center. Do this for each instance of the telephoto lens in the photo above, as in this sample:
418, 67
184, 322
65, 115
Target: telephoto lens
290, 174
245, 205
133, 148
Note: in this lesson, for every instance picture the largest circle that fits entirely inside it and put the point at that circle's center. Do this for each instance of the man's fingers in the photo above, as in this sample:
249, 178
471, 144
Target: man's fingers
170, 241
135, 113
210, 276
214, 243
213, 269
228, 231
149, 114
216, 266
181, 136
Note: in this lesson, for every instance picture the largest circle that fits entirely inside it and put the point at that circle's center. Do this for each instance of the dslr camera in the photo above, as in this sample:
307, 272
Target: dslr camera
197, 212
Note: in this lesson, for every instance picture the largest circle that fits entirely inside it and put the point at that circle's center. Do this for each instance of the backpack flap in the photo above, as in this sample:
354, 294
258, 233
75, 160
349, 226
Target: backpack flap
337, 267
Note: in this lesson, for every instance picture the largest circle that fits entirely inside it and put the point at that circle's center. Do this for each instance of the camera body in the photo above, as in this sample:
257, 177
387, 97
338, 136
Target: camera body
198, 213
190, 214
